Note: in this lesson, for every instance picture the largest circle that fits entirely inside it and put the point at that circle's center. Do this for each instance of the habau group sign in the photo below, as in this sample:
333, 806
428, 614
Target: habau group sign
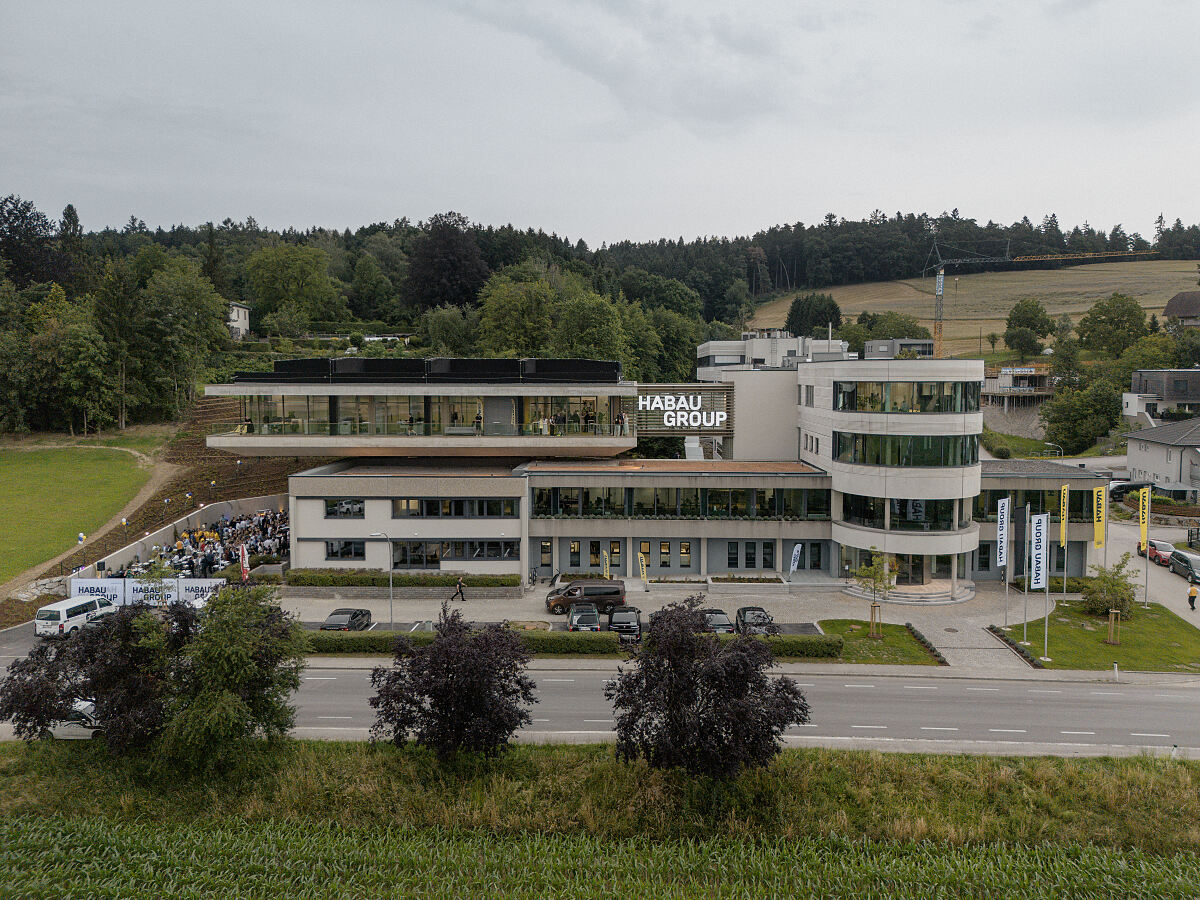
677, 409
122, 591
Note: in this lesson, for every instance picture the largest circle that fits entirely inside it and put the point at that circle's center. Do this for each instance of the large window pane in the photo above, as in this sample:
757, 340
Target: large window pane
689, 502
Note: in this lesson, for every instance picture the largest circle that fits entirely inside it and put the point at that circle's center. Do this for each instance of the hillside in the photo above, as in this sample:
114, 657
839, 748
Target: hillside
983, 299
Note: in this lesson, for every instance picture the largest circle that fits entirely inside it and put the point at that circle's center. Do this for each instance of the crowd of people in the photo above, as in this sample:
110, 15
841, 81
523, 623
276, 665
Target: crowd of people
204, 551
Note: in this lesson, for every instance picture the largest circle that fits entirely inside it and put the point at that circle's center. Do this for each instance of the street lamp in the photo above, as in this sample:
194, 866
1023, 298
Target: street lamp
391, 568
1052, 444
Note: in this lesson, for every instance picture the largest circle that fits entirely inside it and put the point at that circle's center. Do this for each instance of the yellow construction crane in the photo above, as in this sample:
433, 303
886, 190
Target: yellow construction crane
939, 266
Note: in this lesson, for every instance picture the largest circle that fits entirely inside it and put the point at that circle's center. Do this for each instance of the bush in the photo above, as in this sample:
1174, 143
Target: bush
926, 643
1002, 452
379, 578
1075, 583
1110, 588
801, 646
1023, 652
549, 643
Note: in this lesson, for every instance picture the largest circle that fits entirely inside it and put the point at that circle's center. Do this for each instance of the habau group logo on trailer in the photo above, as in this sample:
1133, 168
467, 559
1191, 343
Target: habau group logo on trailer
682, 410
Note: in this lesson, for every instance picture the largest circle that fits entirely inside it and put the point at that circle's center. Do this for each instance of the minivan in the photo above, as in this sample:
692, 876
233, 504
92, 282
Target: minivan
605, 594
1187, 565
66, 617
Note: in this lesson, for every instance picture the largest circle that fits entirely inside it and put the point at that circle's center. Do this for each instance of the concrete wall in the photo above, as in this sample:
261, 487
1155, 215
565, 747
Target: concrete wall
210, 513
764, 415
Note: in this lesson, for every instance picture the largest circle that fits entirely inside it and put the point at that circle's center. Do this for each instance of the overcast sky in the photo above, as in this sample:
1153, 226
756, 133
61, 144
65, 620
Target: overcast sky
601, 120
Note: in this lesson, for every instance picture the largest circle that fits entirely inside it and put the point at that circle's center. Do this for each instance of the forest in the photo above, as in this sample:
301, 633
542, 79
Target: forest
106, 327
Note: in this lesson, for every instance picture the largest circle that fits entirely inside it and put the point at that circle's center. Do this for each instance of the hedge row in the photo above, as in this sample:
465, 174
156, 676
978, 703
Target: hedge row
1022, 651
379, 578
926, 643
1075, 583
803, 646
233, 574
583, 643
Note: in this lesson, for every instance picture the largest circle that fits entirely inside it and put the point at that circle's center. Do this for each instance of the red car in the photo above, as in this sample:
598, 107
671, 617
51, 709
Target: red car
1160, 552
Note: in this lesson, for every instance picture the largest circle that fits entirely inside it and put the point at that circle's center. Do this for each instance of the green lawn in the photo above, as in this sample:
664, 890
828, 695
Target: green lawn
897, 646
1154, 639
1020, 446
48, 496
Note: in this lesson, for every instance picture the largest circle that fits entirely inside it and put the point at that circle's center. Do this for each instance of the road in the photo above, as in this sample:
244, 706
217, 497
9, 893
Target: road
910, 713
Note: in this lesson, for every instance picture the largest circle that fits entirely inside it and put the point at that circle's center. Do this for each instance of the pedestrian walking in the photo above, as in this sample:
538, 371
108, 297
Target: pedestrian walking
458, 590
1192, 597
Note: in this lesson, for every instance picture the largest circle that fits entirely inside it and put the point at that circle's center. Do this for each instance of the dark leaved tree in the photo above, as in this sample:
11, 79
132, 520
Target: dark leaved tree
691, 701
466, 690
809, 312
446, 266
26, 241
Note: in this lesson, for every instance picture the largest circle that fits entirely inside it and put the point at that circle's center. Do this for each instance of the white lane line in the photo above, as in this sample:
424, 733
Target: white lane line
1036, 691
983, 689
557, 679
1171, 696
320, 678
936, 728
1147, 734
1106, 693
868, 726
335, 717
918, 687
372, 626
805, 725
597, 721
541, 720
859, 685
1007, 730
1077, 732
804, 684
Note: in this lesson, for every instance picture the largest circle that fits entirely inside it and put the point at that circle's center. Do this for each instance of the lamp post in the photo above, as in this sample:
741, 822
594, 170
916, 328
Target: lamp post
391, 568
1059, 446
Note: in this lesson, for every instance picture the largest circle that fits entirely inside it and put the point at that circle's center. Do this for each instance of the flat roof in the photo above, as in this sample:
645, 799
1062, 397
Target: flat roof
1034, 468
456, 467
670, 466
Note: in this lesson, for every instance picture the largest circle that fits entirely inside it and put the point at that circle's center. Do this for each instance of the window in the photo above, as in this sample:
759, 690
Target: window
911, 451
731, 549
547, 554
568, 501
574, 554
768, 554
458, 507
405, 507
644, 549
542, 505
808, 395
814, 555
664, 554
594, 554
614, 554
751, 549
907, 396
985, 558
345, 550
685, 554
718, 503
344, 508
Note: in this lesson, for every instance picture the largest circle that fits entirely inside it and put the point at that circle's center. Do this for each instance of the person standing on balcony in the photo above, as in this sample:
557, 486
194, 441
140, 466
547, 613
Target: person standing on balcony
478, 422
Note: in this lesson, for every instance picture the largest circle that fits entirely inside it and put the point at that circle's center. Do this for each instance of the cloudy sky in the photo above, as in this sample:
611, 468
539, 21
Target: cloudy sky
602, 120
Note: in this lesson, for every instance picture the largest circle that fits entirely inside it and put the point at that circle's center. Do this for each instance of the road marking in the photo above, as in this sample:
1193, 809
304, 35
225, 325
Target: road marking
372, 626
416, 625
804, 684
1147, 734
541, 720
320, 678
1106, 693
1036, 691
859, 685
1170, 696
1077, 732
936, 728
805, 725
1007, 730
918, 687
868, 726
335, 717
556, 679
983, 689
597, 721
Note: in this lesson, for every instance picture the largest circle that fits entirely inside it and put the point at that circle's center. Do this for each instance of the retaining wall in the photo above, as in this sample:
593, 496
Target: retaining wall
302, 592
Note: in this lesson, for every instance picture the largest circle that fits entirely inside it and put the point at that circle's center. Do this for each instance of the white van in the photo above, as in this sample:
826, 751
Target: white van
64, 618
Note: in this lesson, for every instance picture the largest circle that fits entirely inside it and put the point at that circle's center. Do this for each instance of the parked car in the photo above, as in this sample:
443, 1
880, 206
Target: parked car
754, 620
1187, 565
347, 620
604, 594
65, 617
717, 622
583, 617
1159, 552
627, 622
79, 725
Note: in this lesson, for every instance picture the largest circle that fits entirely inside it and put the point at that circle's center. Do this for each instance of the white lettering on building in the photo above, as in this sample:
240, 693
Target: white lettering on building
682, 411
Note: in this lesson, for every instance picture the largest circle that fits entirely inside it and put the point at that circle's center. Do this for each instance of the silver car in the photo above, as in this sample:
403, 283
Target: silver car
79, 725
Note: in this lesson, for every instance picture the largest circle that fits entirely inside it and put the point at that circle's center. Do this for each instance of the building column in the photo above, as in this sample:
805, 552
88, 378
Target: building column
953, 574
703, 557
779, 556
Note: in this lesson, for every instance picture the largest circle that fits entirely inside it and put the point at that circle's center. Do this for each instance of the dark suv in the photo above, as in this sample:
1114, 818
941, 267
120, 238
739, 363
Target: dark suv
754, 620
626, 622
607, 595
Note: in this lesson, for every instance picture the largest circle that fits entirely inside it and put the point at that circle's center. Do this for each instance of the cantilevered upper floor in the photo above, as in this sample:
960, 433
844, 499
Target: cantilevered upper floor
429, 407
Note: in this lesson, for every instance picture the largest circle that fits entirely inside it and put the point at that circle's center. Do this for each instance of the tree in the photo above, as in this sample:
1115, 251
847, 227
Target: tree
231, 683
26, 241
450, 330
288, 320
1076, 419
588, 326
992, 338
464, 691
515, 316
446, 267
1112, 324
1154, 327
692, 701
1066, 371
1024, 341
891, 324
371, 290
875, 577
289, 273
1029, 313
811, 311
120, 319
1110, 587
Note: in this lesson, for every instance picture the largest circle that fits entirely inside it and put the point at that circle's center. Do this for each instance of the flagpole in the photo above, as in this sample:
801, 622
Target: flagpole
1007, 560
1146, 589
1046, 604
1028, 550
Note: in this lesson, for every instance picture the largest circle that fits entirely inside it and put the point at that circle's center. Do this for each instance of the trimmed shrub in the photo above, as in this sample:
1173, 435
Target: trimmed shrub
379, 578
1075, 584
802, 646
926, 643
1002, 452
1023, 652
581, 643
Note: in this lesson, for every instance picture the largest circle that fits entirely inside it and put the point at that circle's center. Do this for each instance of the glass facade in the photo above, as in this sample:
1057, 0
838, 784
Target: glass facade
907, 396
431, 554
458, 508
912, 451
1079, 504
902, 515
682, 503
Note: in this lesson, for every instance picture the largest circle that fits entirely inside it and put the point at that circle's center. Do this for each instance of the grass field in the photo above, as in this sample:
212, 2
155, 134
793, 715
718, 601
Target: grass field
1152, 640
308, 819
896, 647
92, 857
48, 496
983, 299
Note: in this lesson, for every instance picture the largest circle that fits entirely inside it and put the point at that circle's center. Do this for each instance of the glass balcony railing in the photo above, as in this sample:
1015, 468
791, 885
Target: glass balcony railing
307, 428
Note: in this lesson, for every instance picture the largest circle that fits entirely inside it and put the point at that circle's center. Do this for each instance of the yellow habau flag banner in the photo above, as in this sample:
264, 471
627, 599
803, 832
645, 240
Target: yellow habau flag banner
1099, 511
1144, 519
1064, 496
642, 564
607, 573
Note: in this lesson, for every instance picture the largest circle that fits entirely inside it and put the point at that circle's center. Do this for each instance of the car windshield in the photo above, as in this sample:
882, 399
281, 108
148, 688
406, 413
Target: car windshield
586, 619
757, 617
48, 615
337, 619
718, 619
